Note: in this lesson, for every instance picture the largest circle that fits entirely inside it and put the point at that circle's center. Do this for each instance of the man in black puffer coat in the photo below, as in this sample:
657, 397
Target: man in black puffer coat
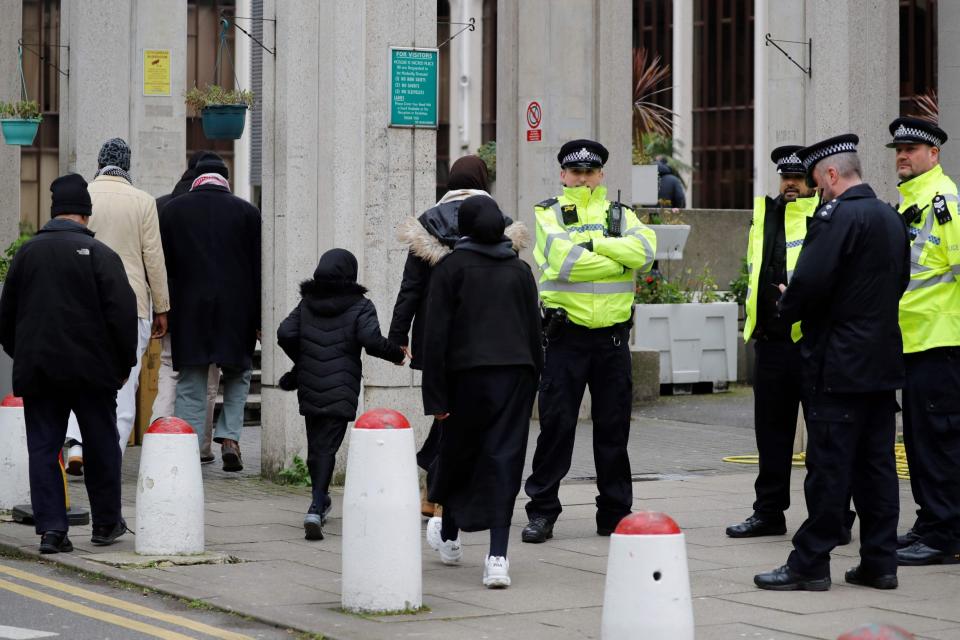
323, 336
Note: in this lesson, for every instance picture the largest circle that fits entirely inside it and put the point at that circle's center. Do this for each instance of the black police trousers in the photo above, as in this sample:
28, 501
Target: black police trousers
776, 398
849, 448
931, 436
46, 421
580, 358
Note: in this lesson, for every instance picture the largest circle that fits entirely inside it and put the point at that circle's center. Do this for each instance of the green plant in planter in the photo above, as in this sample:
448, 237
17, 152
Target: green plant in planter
738, 287
21, 110
655, 288
214, 95
488, 153
25, 234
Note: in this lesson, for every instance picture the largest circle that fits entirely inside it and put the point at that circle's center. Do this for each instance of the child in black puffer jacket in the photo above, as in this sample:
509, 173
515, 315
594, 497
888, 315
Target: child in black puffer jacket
323, 336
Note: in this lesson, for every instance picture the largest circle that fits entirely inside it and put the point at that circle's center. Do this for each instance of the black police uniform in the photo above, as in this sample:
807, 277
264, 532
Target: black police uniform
846, 290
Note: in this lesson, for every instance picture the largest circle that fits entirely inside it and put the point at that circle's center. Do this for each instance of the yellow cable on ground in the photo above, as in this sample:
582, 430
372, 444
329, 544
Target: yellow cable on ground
903, 471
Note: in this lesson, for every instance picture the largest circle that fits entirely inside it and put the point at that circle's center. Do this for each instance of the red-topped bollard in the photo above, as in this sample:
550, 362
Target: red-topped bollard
875, 631
169, 491
647, 593
381, 516
14, 456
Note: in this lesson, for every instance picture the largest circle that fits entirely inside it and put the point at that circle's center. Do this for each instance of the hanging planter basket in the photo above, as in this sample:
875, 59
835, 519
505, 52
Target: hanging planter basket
224, 121
20, 131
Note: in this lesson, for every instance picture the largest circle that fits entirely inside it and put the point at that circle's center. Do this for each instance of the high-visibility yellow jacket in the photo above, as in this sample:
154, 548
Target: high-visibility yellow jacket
795, 218
930, 307
596, 288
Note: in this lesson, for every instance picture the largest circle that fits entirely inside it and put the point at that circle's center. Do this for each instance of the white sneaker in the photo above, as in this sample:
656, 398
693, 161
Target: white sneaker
496, 572
75, 460
451, 551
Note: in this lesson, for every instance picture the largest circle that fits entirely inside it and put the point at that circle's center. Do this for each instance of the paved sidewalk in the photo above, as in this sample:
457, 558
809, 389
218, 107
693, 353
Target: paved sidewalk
557, 587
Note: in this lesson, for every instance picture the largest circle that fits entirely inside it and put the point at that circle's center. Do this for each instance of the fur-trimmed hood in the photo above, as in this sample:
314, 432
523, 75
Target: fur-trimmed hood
431, 249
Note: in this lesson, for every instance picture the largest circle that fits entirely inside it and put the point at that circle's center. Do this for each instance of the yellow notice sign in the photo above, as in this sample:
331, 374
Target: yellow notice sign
156, 72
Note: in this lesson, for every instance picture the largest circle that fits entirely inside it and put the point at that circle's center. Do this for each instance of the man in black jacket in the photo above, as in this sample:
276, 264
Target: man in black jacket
846, 290
211, 243
68, 318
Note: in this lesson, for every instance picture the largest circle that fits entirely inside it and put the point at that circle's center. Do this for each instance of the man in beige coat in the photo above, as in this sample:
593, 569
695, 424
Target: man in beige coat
126, 221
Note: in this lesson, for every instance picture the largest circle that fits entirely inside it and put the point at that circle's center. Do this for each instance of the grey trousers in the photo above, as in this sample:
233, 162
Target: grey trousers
191, 403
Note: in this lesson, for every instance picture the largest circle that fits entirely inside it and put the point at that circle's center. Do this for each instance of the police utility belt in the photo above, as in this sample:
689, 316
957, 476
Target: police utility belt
556, 325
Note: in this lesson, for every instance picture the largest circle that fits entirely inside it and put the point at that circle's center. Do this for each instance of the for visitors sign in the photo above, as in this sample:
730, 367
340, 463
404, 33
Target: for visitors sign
413, 87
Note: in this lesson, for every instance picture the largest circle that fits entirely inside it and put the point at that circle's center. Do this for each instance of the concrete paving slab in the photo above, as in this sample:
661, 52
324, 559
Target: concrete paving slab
743, 632
839, 597
830, 624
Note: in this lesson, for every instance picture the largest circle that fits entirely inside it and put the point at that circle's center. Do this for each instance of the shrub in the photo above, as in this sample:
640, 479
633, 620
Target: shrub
25, 109
198, 98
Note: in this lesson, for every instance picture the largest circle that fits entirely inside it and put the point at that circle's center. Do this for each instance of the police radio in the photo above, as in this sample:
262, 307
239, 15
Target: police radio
615, 218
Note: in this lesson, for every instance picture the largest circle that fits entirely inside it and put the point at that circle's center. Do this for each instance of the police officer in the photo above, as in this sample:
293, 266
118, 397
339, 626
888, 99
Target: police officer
776, 236
588, 249
930, 322
846, 290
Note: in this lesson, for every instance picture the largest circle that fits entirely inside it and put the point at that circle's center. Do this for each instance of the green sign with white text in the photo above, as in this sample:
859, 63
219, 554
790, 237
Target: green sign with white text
413, 87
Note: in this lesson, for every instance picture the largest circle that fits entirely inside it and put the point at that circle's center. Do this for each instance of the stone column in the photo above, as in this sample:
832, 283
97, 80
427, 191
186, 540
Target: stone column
571, 58
103, 97
466, 79
335, 175
241, 148
948, 82
682, 74
779, 86
856, 81
10, 31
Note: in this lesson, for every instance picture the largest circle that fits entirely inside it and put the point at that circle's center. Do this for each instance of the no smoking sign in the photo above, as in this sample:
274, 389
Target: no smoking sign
534, 117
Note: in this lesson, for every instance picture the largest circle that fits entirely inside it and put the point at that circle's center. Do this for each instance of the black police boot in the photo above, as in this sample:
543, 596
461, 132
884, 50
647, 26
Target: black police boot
538, 530
786, 579
859, 576
756, 526
55, 542
919, 554
104, 534
908, 538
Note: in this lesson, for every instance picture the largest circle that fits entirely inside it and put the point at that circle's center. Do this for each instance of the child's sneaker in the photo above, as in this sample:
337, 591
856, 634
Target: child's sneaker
496, 572
450, 550
313, 526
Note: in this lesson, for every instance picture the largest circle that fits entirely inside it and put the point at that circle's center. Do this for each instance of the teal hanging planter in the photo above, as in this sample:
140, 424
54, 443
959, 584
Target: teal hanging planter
224, 121
20, 131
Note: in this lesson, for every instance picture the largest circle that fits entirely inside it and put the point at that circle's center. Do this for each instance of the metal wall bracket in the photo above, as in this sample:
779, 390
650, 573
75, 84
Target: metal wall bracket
467, 26
809, 44
26, 47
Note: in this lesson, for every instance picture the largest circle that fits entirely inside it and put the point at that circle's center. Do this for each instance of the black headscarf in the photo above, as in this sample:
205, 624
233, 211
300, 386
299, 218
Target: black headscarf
468, 172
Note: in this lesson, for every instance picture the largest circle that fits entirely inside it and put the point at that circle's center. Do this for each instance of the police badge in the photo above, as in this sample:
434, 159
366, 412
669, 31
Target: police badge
940, 209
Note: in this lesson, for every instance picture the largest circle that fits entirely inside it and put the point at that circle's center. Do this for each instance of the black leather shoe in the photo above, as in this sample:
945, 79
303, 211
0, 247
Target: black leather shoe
55, 542
863, 578
108, 534
538, 530
846, 535
755, 526
786, 579
604, 531
919, 554
907, 539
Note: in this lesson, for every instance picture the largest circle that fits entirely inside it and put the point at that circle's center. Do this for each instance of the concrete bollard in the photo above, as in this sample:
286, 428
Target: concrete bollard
381, 517
874, 631
169, 491
14, 457
647, 593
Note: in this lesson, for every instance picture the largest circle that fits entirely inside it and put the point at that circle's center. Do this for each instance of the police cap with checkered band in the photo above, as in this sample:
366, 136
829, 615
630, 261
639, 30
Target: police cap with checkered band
585, 154
909, 130
786, 159
810, 156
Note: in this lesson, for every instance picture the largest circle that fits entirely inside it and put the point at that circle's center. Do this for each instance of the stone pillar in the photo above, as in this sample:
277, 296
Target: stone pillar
856, 80
335, 175
10, 31
466, 79
571, 58
103, 97
241, 147
779, 86
682, 74
948, 83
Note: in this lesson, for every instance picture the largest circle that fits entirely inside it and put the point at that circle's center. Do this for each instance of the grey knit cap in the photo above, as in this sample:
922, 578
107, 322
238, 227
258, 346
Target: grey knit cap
116, 152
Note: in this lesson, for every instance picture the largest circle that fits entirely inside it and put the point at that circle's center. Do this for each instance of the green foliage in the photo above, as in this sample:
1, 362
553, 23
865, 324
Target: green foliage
297, 474
488, 153
654, 288
738, 287
23, 109
25, 234
197, 98
656, 144
662, 215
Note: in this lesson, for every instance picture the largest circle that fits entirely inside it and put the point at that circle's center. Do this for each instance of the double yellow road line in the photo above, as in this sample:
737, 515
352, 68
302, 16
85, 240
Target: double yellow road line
116, 603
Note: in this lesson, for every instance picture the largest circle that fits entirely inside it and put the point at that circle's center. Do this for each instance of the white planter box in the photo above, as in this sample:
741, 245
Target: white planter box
671, 238
646, 184
697, 342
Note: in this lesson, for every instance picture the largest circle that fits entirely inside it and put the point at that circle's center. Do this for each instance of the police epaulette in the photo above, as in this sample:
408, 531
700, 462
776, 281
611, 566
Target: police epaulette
826, 211
546, 204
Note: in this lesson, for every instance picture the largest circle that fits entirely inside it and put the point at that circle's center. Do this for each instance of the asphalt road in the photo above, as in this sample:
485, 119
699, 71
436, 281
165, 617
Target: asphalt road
38, 600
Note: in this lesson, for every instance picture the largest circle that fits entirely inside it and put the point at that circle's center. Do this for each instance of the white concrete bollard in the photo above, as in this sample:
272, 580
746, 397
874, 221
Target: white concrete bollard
169, 491
647, 593
14, 457
381, 517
